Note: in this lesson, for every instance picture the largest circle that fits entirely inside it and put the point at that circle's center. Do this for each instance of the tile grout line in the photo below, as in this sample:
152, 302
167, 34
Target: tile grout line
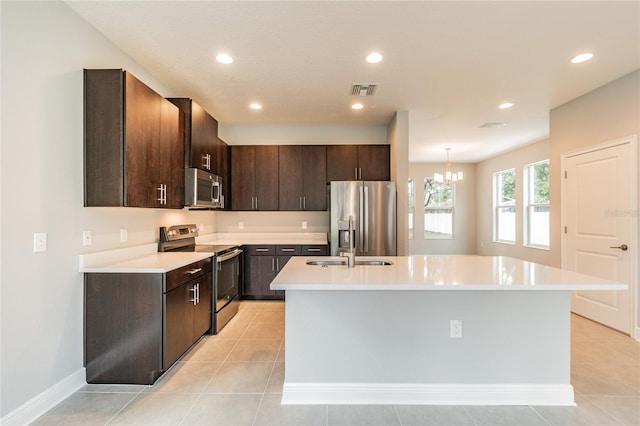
124, 406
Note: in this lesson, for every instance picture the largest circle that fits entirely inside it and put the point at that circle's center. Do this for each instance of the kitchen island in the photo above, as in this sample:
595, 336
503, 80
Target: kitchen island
389, 334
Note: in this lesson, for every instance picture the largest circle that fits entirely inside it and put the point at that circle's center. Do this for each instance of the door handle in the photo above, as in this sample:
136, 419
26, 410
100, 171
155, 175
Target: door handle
622, 247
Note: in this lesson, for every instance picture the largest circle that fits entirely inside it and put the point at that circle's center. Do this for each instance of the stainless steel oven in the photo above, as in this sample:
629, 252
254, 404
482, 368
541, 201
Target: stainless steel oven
226, 285
226, 270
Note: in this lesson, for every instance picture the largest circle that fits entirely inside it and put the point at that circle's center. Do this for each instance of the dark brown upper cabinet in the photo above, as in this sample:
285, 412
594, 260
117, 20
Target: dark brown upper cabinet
302, 177
224, 155
202, 145
133, 147
358, 162
254, 177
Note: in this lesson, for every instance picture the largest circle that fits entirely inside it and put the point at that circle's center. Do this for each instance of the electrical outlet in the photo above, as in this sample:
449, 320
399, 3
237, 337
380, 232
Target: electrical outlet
304, 224
39, 242
455, 329
87, 239
124, 235
240, 225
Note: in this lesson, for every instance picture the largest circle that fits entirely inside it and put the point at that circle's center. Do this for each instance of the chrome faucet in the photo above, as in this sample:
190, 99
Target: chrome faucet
351, 254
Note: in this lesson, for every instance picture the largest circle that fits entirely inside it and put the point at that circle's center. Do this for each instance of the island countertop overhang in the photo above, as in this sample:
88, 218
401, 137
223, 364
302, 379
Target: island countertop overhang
436, 272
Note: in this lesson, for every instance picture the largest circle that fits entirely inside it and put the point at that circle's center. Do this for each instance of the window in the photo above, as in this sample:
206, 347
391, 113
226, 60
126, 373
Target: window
438, 209
412, 207
537, 204
504, 198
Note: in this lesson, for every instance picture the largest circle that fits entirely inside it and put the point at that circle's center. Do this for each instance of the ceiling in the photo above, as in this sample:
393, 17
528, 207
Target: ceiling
449, 63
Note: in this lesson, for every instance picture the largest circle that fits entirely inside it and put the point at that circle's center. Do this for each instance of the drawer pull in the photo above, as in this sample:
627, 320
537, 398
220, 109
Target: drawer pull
194, 271
313, 250
288, 250
262, 250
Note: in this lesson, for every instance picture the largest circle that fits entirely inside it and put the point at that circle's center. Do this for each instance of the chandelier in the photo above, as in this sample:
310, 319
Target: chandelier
448, 176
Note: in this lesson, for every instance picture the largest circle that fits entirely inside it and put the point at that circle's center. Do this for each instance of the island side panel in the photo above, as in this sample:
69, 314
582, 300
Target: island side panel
402, 337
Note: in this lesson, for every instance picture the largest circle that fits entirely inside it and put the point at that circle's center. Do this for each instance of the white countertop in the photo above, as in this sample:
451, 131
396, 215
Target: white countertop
146, 259
457, 272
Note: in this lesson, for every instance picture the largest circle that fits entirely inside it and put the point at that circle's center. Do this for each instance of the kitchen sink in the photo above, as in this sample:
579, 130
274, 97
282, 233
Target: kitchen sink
334, 262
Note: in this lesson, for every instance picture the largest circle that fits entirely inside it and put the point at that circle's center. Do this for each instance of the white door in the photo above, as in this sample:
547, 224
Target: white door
600, 217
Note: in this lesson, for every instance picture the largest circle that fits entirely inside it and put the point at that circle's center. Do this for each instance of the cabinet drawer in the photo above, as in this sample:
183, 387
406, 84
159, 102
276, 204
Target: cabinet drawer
292, 250
315, 250
261, 250
180, 276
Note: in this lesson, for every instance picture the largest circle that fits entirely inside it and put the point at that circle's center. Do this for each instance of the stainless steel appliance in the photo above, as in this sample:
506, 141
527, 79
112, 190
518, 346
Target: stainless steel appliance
372, 205
226, 269
202, 189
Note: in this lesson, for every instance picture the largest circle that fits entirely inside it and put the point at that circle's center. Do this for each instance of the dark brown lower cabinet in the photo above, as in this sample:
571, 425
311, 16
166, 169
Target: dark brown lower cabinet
262, 264
135, 329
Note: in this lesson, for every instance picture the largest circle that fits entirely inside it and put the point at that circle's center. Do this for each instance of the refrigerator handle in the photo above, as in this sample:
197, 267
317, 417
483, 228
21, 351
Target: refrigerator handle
361, 228
365, 226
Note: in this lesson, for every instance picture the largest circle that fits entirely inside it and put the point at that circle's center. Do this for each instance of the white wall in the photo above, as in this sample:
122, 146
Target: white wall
517, 159
464, 222
302, 135
398, 138
607, 113
45, 46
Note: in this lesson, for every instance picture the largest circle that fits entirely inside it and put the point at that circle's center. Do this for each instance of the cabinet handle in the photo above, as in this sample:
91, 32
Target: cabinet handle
355, 172
277, 264
300, 202
194, 290
194, 271
262, 250
359, 173
256, 202
198, 293
163, 193
313, 250
273, 268
288, 250
304, 203
206, 161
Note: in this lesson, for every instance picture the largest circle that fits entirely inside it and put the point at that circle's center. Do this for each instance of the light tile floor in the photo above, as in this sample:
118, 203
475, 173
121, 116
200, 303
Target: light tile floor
235, 378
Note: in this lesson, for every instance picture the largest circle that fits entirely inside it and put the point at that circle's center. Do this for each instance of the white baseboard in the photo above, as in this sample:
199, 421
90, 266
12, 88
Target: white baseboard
427, 394
637, 336
40, 404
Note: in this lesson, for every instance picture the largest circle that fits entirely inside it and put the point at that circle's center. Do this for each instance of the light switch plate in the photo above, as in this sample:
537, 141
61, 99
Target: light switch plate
124, 235
39, 242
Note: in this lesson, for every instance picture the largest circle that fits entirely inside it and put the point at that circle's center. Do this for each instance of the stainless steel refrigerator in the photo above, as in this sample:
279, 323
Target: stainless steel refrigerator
373, 207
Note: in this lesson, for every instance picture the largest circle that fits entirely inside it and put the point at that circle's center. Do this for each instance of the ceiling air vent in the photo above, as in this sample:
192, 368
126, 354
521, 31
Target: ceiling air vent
493, 125
363, 89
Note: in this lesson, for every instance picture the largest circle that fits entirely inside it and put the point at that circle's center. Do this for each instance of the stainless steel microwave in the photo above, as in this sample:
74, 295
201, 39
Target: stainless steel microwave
202, 189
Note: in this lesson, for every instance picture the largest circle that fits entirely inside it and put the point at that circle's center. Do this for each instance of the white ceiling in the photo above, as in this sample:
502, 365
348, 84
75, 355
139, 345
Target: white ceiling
448, 63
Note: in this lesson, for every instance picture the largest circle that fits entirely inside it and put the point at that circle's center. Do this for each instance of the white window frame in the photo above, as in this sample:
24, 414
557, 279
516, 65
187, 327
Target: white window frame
497, 206
451, 209
411, 225
529, 205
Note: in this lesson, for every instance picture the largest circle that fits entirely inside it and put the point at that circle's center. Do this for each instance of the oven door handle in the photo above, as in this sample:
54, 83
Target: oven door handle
228, 256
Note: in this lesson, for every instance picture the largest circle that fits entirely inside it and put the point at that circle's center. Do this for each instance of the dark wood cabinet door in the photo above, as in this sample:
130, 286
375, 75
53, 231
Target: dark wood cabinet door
178, 324
342, 162
290, 177
266, 177
210, 152
262, 271
373, 161
198, 143
223, 172
314, 176
242, 177
202, 315
170, 169
142, 133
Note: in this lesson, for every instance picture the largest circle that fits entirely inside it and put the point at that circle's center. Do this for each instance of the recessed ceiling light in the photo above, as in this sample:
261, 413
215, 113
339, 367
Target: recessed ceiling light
505, 105
357, 106
223, 58
255, 106
581, 58
373, 58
